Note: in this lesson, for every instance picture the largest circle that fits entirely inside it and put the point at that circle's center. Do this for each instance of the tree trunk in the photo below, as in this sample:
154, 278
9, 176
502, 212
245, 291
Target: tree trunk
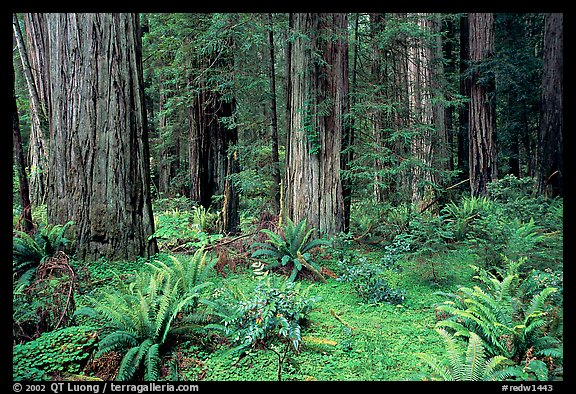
318, 104
550, 165
464, 110
482, 117
24, 190
348, 128
379, 77
34, 72
99, 160
421, 110
273, 119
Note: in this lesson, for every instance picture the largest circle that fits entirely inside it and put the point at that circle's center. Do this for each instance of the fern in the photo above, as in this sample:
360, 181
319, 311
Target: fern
290, 249
28, 252
497, 315
139, 318
469, 365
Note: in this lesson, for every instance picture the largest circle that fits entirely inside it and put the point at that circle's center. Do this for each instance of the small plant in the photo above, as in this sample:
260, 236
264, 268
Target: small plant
138, 320
192, 274
291, 249
272, 319
370, 283
66, 349
470, 365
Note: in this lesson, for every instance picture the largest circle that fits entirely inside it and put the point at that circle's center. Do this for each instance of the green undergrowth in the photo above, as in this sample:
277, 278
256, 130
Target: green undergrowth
346, 339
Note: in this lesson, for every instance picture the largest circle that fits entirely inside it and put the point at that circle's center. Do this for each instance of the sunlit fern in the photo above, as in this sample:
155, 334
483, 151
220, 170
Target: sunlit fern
497, 315
466, 365
291, 248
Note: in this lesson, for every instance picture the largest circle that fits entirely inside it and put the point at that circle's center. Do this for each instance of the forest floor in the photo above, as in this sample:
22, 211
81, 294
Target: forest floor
346, 339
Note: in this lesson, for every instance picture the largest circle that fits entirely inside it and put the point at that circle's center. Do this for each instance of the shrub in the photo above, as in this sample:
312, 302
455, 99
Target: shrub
370, 283
271, 319
290, 249
182, 229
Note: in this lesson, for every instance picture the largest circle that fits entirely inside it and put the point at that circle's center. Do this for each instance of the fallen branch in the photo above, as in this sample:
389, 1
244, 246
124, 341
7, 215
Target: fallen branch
209, 247
303, 261
438, 198
340, 320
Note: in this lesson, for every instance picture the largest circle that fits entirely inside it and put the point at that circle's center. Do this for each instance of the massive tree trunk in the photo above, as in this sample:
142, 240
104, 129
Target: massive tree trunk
24, 189
482, 117
550, 165
99, 160
318, 104
36, 79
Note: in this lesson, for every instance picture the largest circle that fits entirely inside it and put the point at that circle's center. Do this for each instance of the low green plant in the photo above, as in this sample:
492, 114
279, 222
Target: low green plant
138, 319
192, 273
184, 229
497, 314
29, 251
370, 283
459, 216
290, 249
271, 319
469, 365
66, 349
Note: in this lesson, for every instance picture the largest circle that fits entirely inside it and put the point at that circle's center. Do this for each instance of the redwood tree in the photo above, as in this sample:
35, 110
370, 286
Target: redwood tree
99, 161
482, 156
24, 192
318, 103
550, 166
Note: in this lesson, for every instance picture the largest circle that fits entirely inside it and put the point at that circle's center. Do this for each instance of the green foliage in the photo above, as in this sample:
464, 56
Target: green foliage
177, 228
460, 215
29, 251
291, 248
191, 274
41, 306
272, 318
370, 283
515, 223
139, 318
497, 314
65, 349
471, 365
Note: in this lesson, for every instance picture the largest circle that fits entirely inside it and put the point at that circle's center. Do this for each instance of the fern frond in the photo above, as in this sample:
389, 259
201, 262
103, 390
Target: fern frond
314, 243
490, 372
116, 340
265, 252
152, 362
441, 371
474, 358
537, 304
128, 365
